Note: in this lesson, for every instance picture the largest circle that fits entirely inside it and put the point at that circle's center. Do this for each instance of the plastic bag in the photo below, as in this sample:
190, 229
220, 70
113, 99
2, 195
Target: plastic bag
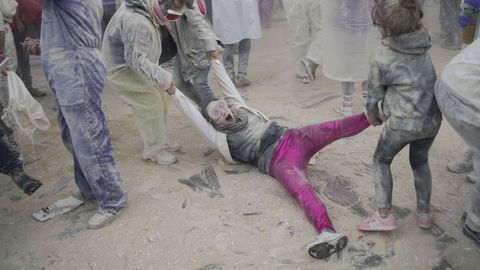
23, 113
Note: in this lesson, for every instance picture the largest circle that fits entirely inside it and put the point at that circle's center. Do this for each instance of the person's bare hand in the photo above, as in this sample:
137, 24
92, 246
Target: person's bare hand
374, 121
212, 55
31, 46
171, 89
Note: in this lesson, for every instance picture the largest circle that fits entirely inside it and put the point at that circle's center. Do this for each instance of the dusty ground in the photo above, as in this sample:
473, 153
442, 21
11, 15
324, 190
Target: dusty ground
248, 221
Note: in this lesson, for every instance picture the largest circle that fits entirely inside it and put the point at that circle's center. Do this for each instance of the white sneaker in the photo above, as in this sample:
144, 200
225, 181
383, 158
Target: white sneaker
345, 111
327, 243
101, 218
163, 158
172, 147
472, 177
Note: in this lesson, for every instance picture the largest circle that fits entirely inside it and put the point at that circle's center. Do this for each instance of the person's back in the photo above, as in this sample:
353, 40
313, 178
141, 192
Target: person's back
408, 74
400, 92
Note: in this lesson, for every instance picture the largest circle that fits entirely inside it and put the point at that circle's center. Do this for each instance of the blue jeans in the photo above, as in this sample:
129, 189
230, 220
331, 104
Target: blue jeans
243, 55
196, 89
78, 81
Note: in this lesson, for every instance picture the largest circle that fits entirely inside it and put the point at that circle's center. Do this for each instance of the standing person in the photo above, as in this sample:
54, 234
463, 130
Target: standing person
401, 94
132, 47
109, 8
27, 25
350, 39
197, 46
70, 42
458, 95
246, 135
11, 163
305, 29
236, 23
450, 30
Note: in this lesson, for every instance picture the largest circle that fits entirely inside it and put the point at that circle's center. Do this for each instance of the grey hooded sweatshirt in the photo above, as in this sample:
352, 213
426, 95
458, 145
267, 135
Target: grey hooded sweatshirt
403, 77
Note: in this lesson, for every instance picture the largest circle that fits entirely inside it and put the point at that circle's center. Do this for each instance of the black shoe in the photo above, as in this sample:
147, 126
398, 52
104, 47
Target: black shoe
28, 184
475, 236
464, 218
35, 92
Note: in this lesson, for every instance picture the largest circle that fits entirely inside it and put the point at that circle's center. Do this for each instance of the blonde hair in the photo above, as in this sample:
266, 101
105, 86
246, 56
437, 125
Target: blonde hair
397, 17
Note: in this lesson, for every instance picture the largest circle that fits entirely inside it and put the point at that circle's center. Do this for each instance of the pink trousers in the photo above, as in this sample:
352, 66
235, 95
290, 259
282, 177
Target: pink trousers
290, 161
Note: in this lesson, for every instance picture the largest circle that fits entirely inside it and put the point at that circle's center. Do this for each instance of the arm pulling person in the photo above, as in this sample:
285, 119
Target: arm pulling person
138, 39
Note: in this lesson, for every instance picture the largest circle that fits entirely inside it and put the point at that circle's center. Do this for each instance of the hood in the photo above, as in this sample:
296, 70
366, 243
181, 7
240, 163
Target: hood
417, 42
154, 10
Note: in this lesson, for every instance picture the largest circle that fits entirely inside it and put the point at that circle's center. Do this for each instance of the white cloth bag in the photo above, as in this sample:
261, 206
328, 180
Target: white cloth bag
23, 113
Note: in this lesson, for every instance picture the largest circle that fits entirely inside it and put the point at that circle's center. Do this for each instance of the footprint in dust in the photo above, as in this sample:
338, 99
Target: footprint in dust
361, 255
206, 181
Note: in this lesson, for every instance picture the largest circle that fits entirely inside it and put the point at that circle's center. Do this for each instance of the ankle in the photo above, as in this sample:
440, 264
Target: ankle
384, 212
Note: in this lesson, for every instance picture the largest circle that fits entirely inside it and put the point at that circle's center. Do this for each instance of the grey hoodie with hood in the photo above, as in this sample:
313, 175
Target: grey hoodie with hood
403, 77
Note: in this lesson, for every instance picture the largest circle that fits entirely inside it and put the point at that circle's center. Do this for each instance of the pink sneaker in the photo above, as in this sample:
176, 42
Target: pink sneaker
424, 220
377, 223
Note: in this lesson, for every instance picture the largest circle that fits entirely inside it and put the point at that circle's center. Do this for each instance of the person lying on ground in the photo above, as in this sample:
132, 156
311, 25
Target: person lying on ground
247, 136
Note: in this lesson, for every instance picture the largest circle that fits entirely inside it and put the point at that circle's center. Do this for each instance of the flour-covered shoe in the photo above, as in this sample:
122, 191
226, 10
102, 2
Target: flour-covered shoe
424, 220
327, 243
462, 166
163, 157
101, 218
377, 223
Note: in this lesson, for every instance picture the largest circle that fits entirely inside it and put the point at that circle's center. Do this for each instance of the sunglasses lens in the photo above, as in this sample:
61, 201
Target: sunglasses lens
172, 17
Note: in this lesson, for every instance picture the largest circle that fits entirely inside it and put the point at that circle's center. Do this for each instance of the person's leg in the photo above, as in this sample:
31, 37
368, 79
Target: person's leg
315, 137
472, 222
184, 86
79, 177
243, 54
289, 167
315, 50
388, 146
202, 88
451, 8
11, 164
347, 103
364, 92
265, 7
228, 60
423, 180
299, 24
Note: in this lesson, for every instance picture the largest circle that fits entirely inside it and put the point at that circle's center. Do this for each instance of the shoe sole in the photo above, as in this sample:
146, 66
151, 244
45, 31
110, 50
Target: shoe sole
160, 163
116, 216
326, 249
424, 226
470, 235
379, 229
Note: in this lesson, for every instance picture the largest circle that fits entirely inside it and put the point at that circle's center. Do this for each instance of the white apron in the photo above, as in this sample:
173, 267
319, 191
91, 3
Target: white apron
234, 20
349, 39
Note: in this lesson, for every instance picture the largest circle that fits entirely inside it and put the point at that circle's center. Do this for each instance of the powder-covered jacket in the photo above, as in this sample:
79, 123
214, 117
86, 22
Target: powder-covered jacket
403, 77
194, 38
132, 46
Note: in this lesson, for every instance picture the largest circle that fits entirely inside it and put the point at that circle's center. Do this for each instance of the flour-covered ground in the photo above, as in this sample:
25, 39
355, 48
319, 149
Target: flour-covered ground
243, 219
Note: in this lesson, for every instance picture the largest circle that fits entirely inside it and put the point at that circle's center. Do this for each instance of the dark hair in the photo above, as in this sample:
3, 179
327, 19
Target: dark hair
397, 19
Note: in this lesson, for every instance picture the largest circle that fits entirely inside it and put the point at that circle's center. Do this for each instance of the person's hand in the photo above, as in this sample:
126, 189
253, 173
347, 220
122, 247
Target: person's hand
171, 89
31, 46
374, 121
212, 55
